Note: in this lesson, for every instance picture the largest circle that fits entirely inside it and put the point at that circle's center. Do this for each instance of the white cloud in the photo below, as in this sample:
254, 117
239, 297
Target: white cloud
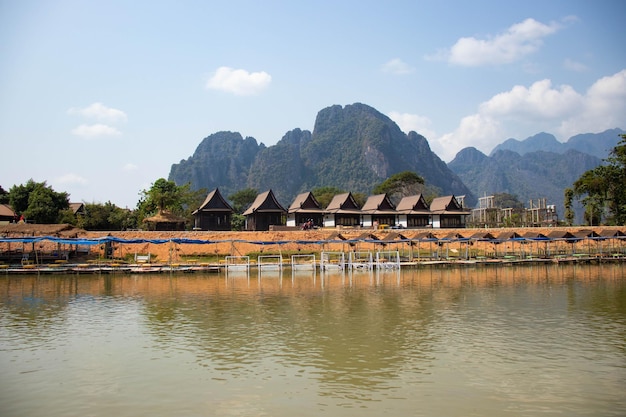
538, 102
574, 65
129, 167
71, 178
100, 112
95, 130
398, 67
238, 81
412, 122
525, 111
603, 107
516, 42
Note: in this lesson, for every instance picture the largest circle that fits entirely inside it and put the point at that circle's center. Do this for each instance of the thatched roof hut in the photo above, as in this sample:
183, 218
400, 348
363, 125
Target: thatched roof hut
165, 221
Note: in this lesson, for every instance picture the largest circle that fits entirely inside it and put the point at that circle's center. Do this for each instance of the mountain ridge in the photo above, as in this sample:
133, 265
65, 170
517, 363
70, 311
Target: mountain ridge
596, 144
355, 147
352, 147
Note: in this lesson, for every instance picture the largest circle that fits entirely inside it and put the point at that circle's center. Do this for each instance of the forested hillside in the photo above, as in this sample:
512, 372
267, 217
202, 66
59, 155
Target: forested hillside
530, 176
353, 148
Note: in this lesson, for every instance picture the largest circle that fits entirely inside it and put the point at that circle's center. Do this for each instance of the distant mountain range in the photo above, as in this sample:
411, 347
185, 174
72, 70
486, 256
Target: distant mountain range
537, 167
596, 144
355, 148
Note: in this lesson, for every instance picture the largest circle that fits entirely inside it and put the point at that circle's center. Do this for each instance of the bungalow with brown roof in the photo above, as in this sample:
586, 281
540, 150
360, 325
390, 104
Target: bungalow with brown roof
78, 209
342, 210
214, 213
305, 207
264, 212
7, 215
377, 211
447, 212
413, 212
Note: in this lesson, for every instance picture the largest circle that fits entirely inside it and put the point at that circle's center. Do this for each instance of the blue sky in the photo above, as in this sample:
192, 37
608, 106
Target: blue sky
100, 98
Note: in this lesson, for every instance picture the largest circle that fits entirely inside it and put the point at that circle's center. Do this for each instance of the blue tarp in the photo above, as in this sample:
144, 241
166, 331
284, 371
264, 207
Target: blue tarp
113, 239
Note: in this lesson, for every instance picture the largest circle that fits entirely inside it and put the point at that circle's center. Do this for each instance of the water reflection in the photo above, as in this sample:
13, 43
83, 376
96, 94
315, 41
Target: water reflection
512, 340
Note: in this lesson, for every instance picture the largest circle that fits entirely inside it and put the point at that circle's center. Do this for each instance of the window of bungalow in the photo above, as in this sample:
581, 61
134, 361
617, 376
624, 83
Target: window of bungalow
417, 221
451, 221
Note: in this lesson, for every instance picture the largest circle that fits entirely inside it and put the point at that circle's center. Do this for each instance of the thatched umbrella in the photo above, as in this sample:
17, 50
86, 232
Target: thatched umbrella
613, 235
395, 237
165, 221
482, 237
537, 237
424, 237
588, 235
34, 229
21, 230
511, 236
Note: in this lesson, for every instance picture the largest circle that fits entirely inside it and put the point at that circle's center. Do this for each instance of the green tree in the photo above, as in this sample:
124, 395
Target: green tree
602, 190
165, 195
359, 198
242, 199
237, 222
67, 216
400, 185
106, 216
38, 202
569, 211
4, 196
506, 200
324, 195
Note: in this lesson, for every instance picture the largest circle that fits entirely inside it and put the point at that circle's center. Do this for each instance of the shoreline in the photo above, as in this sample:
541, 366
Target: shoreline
112, 268
207, 253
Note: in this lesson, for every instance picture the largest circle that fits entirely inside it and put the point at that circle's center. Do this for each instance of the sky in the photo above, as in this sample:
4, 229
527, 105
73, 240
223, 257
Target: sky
100, 98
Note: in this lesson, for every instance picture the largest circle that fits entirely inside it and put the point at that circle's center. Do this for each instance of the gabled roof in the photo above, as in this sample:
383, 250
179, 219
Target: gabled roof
447, 205
379, 203
427, 236
413, 204
363, 236
586, 234
535, 236
560, 234
305, 203
214, 202
611, 233
265, 203
343, 203
391, 236
482, 236
6, 211
336, 236
77, 208
510, 236
453, 236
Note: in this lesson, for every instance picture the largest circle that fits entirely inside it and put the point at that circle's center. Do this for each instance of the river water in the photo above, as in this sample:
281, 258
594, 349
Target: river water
546, 340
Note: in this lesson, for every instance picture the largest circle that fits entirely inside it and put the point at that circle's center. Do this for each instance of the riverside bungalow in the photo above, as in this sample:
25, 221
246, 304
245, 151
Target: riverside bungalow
447, 212
78, 209
342, 211
305, 207
413, 212
264, 212
214, 213
379, 211
7, 215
